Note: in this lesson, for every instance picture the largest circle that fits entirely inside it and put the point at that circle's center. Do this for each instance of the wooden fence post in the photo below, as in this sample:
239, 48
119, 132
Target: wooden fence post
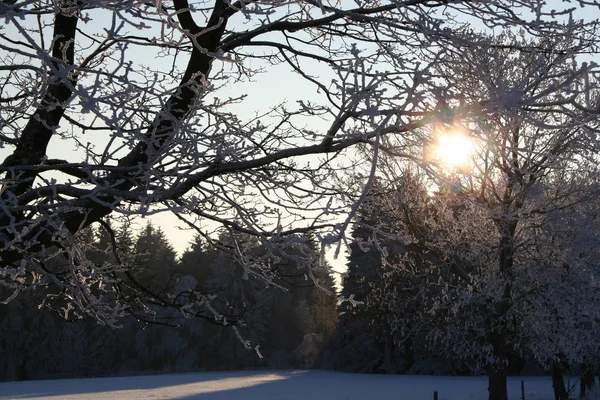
522, 390
435, 395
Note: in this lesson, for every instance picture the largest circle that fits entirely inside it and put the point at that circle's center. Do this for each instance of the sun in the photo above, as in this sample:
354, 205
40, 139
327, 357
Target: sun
454, 150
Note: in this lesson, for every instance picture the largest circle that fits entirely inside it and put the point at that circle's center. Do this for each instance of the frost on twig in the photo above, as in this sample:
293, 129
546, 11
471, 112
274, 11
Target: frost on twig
238, 118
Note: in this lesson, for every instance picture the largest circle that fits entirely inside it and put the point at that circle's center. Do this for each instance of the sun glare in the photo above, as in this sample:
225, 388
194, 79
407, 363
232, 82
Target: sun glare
454, 150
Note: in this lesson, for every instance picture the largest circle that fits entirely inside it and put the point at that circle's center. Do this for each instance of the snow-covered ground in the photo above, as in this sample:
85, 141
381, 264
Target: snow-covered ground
273, 385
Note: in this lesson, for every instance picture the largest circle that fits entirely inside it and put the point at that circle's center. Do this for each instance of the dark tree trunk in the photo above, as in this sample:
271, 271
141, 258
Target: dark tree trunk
558, 383
497, 382
409, 354
587, 380
498, 331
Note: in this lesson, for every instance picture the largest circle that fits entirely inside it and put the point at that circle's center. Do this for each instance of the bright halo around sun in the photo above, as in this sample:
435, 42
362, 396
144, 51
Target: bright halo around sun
454, 150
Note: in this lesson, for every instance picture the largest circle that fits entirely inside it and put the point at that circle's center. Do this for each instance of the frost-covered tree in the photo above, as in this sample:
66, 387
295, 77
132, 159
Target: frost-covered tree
396, 274
153, 99
521, 218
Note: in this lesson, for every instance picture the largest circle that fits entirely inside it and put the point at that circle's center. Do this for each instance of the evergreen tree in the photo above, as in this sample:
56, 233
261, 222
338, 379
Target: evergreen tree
196, 260
303, 314
365, 339
155, 260
392, 275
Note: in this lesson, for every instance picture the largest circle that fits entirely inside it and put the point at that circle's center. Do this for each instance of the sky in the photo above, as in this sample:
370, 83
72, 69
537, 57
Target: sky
266, 90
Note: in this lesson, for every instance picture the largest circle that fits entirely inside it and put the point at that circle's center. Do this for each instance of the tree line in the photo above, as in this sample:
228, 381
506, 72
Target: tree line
490, 264
286, 322
421, 286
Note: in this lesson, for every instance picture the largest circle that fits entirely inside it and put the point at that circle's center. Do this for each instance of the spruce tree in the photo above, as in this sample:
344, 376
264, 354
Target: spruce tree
155, 260
364, 339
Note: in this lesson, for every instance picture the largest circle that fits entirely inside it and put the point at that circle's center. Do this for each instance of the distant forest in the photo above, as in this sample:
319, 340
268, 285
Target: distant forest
411, 302
289, 323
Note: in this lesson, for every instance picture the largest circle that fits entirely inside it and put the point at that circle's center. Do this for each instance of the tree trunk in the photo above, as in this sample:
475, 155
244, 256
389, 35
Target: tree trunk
558, 383
409, 354
587, 380
497, 383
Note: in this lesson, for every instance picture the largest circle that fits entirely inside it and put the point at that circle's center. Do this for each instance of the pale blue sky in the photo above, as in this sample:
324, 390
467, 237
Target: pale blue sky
267, 90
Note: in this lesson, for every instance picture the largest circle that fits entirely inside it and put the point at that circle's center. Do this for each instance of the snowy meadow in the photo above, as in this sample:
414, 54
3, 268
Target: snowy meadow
451, 148
279, 385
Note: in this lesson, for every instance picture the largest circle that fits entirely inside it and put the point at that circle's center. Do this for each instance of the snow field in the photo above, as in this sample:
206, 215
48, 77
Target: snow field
275, 385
